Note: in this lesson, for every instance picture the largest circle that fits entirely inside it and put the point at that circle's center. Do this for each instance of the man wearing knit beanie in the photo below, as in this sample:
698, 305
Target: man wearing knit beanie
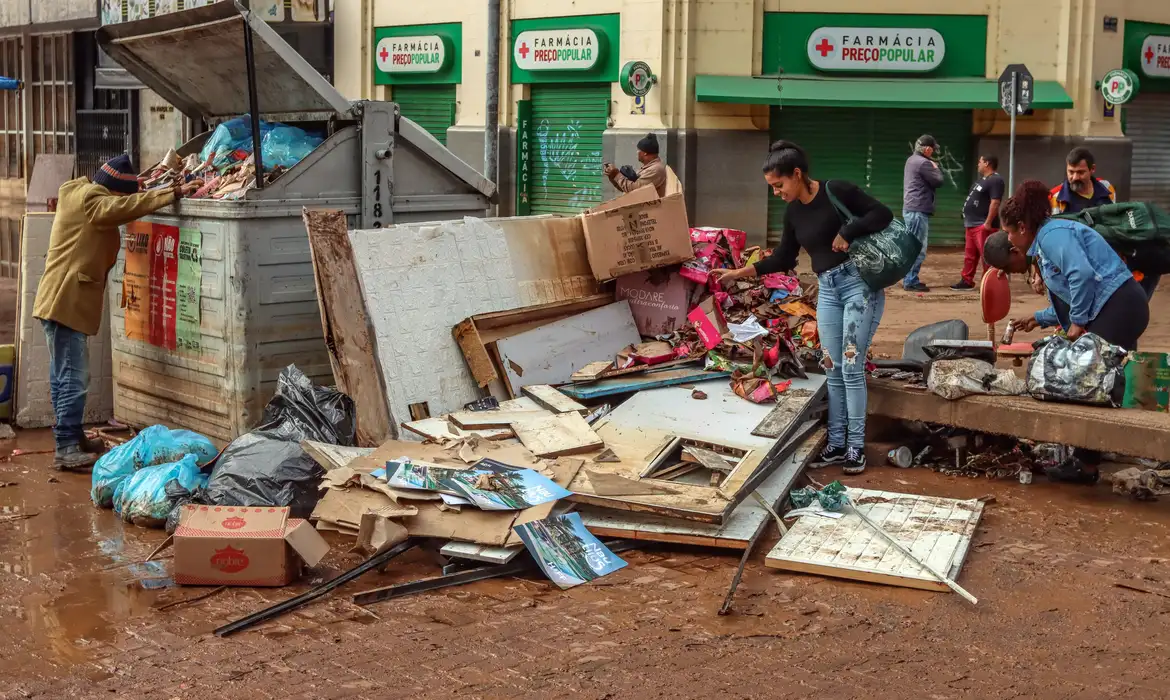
652, 172
83, 246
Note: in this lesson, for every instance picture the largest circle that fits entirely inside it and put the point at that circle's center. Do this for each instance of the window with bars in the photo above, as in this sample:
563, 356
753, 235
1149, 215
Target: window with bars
50, 92
11, 107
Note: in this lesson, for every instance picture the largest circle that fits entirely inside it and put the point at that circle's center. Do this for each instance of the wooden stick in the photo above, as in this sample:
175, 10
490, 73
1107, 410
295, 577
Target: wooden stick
161, 547
779, 522
898, 545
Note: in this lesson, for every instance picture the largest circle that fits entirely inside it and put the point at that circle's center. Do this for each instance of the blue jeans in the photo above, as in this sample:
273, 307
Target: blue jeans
848, 314
919, 225
68, 380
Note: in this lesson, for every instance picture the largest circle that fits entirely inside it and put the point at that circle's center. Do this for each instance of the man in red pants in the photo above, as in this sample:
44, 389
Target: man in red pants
980, 217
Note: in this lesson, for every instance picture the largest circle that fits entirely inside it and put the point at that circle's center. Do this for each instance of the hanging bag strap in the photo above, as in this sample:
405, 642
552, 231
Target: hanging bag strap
842, 211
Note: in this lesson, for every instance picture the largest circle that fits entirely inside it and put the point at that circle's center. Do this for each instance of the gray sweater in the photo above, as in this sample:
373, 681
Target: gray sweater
919, 181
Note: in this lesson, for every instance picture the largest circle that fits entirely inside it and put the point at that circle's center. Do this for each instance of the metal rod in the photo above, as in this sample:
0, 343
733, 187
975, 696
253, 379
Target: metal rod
253, 104
1012, 138
491, 134
374, 562
910, 555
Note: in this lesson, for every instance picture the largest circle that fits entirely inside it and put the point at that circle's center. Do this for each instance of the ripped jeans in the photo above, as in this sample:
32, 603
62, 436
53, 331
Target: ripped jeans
848, 314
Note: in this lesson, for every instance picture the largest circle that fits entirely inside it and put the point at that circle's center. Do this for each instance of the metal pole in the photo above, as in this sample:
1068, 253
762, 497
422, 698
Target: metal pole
253, 102
1012, 139
491, 133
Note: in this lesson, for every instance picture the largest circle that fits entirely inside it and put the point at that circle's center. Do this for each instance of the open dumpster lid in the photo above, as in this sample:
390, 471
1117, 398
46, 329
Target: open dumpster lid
195, 60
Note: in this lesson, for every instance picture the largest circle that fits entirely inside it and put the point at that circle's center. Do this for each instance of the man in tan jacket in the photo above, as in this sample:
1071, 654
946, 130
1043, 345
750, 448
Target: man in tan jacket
83, 246
652, 172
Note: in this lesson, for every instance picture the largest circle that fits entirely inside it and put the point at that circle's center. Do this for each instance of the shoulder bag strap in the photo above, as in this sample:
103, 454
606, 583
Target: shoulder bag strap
842, 210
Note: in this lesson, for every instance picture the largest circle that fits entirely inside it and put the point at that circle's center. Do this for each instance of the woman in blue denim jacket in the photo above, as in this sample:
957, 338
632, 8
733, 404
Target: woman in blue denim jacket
1089, 286
848, 311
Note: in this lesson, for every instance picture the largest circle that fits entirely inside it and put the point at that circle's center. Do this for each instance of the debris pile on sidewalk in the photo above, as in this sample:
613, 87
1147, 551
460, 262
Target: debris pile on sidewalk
225, 168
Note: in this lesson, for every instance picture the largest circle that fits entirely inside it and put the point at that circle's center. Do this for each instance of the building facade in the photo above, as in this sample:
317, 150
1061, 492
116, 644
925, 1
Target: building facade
854, 82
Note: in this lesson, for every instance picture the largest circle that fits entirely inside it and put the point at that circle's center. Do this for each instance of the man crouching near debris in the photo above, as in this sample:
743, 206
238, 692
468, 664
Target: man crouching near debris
83, 246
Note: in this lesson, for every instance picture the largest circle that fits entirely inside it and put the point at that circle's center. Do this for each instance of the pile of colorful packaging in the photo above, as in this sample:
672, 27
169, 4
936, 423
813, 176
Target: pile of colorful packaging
762, 330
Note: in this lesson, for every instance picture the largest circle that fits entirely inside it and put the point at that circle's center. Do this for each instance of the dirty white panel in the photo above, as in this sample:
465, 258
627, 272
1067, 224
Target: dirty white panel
480, 552
937, 530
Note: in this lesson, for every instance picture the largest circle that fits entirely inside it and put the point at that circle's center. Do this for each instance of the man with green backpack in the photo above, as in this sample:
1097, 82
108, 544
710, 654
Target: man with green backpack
1138, 231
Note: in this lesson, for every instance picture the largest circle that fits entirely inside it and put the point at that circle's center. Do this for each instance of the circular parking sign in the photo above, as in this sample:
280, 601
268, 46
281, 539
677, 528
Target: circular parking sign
1119, 86
636, 78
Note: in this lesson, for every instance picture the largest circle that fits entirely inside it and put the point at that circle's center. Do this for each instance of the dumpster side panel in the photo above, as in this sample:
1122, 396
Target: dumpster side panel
258, 314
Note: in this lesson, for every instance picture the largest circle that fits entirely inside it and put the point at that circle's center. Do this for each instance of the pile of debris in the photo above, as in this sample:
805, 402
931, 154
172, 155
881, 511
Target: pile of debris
225, 167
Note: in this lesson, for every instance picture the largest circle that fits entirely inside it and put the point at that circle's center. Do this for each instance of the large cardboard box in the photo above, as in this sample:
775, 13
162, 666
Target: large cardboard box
635, 232
238, 546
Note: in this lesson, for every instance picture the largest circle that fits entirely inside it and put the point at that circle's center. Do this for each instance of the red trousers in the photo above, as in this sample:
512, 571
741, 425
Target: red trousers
973, 253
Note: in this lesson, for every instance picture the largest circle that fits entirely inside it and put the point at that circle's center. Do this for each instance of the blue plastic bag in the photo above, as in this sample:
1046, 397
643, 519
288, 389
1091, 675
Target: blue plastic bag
143, 499
230, 136
286, 145
154, 445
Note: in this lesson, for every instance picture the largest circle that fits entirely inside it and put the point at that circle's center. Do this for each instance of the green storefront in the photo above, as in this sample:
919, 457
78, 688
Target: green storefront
1144, 118
857, 90
422, 64
569, 64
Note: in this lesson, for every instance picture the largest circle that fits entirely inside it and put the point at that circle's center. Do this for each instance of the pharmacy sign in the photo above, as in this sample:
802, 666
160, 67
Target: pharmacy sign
876, 50
556, 49
411, 54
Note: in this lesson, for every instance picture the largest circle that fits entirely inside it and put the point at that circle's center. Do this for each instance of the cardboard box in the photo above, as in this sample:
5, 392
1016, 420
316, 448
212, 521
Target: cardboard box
238, 546
658, 299
635, 232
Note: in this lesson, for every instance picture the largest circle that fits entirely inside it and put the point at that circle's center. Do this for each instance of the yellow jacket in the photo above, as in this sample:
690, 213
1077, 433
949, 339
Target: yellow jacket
83, 246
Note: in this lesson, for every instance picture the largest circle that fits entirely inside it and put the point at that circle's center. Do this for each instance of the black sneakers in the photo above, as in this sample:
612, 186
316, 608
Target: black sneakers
854, 461
920, 287
830, 455
962, 286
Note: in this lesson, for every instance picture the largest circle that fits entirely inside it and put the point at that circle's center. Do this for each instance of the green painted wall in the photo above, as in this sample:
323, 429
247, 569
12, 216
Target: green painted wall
452, 73
786, 41
608, 29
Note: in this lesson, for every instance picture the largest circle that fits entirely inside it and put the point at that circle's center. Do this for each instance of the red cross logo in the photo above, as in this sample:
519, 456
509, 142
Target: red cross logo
523, 50
384, 54
1149, 54
824, 47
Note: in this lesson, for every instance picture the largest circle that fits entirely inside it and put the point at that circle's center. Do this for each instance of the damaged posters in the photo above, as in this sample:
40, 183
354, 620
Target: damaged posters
567, 553
161, 285
489, 484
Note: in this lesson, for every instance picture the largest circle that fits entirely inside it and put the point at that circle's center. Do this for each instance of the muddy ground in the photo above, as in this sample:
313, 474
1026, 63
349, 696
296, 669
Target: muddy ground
82, 620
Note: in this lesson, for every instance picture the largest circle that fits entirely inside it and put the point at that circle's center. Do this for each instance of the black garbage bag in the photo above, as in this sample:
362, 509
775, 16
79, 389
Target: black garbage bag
267, 466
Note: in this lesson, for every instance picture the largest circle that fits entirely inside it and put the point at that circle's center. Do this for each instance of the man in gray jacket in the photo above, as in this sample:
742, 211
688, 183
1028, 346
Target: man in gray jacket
920, 179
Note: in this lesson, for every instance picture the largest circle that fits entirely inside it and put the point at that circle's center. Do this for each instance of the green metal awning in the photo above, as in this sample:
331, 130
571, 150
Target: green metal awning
914, 93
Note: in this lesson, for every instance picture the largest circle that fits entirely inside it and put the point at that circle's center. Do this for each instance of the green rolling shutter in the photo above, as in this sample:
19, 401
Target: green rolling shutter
430, 106
568, 122
869, 147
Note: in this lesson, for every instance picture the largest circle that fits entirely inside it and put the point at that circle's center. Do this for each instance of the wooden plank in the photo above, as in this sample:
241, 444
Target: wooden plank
479, 552
440, 430
711, 460
786, 410
349, 335
557, 435
1128, 432
936, 530
641, 382
605, 484
496, 419
735, 533
638, 430
591, 372
551, 399
550, 354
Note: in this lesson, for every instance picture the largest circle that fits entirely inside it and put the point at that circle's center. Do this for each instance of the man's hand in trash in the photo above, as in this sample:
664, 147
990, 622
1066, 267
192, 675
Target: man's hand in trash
1025, 324
188, 188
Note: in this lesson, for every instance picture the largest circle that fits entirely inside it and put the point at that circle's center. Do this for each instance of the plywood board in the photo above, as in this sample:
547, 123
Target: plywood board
551, 353
937, 530
550, 399
592, 371
741, 525
640, 382
557, 435
440, 430
785, 411
606, 484
638, 430
349, 335
494, 419
479, 552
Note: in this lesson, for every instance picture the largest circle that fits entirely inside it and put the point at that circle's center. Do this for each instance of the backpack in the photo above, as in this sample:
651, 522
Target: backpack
1138, 231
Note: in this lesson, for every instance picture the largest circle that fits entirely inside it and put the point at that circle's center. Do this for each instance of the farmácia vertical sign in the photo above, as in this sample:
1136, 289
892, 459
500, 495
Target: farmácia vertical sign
909, 50
556, 49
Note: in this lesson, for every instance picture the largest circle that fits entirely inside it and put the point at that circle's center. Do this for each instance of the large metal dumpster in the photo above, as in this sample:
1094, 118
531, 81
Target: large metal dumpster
256, 302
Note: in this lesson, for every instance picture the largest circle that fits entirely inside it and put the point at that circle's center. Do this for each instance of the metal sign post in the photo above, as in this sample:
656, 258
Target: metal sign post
1015, 97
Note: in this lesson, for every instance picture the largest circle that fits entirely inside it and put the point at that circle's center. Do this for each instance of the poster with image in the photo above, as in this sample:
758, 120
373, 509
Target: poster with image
492, 485
136, 280
567, 552
164, 282
188, 336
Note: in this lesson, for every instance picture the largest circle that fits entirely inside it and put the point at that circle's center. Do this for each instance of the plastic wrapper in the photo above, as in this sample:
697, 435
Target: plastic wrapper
154, 445
267, 466
286, 145
143, 498
954, 379
832, 498
1088, 370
